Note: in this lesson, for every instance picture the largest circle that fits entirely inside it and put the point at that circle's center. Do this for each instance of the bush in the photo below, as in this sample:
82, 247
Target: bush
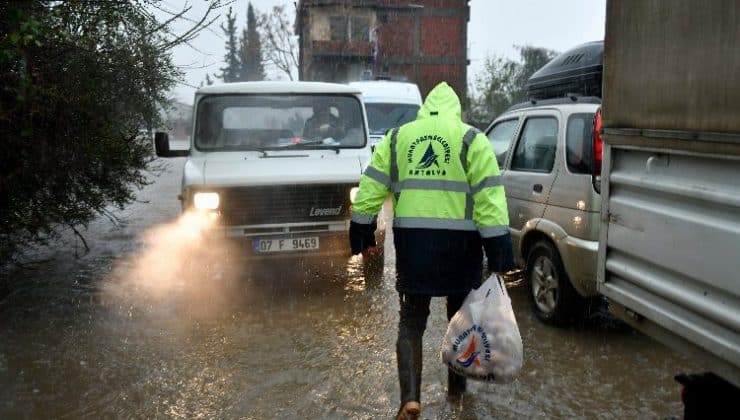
80, 82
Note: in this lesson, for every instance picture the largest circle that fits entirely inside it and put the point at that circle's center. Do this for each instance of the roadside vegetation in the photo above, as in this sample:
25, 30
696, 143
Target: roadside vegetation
502, 83
82, 83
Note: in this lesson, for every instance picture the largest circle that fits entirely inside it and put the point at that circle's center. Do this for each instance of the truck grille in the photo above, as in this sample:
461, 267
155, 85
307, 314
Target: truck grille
285, 204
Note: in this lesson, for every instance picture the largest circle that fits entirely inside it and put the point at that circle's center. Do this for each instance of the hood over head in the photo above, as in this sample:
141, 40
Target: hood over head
442, 101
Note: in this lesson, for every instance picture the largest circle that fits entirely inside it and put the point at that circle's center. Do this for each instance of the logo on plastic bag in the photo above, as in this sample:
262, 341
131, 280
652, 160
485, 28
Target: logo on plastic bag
471, 354
485, 318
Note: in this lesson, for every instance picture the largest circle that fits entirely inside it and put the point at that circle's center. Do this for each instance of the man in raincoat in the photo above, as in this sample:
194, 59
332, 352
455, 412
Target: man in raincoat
449, 206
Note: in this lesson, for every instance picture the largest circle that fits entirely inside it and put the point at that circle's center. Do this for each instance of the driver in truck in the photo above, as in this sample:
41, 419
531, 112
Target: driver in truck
323, 123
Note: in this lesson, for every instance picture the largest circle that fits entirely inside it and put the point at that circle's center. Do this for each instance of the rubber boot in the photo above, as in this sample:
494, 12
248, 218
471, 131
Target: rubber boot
456, 384
411, 325
408, 353
409, 411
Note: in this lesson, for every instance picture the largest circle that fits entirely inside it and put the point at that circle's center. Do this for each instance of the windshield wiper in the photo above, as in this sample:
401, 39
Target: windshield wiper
334, 147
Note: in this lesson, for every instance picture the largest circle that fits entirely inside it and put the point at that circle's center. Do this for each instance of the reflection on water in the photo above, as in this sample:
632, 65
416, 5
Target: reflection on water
279, 340
162, 330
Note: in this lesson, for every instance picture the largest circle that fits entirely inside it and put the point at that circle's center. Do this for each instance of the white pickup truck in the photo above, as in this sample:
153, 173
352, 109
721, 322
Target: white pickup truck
277, 164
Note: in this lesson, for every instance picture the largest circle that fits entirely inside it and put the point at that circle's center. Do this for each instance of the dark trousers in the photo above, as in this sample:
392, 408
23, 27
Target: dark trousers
411, 325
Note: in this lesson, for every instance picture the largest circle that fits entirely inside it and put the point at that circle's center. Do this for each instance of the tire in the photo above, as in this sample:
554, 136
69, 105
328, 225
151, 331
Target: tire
554, 300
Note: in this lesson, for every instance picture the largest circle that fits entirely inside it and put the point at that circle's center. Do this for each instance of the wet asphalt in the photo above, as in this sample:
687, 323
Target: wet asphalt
139, 327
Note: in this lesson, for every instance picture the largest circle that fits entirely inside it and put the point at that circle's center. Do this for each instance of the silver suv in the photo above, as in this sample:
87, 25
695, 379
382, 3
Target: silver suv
549, 152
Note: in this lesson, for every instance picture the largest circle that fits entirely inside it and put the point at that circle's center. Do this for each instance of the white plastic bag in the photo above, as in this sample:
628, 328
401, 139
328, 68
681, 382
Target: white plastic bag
482, 340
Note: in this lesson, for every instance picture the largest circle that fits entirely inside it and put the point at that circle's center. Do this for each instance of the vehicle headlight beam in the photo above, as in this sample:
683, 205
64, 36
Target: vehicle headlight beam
206, 200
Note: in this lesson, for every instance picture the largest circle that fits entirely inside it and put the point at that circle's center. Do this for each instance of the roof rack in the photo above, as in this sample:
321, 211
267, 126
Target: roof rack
570, 99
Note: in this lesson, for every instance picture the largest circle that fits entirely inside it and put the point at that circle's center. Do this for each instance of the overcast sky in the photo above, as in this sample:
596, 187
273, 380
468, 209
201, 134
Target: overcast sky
495, 27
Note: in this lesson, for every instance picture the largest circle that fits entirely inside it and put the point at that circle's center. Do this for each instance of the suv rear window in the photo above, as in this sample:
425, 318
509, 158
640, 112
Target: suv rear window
535, 150
578, 143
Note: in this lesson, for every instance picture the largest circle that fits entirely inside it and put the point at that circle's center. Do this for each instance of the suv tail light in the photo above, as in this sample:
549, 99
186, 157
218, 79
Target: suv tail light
598, 152
598, 145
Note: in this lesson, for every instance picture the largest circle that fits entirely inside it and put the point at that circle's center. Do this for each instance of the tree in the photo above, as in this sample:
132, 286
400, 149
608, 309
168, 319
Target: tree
502, 82
230, 73
495, 87
251, 50
532, 59
80, 85
281, 48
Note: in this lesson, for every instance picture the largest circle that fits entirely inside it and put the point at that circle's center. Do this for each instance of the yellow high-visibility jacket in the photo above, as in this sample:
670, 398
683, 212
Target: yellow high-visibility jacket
447, 196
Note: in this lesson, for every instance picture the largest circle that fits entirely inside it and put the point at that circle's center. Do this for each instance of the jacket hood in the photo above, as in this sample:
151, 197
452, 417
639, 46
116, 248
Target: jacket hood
441, 100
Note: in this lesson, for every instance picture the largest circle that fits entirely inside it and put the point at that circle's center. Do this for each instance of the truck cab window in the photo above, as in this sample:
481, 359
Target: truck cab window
259, 122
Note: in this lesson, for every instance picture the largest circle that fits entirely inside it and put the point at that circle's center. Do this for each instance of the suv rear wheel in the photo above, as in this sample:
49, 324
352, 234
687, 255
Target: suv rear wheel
554, 300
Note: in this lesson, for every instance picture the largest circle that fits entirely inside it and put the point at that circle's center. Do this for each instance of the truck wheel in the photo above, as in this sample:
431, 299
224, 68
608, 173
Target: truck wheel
554, 300
372, 267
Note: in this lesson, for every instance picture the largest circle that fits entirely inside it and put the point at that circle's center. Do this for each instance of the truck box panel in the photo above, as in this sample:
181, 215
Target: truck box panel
672, 65
670, 243
688, 204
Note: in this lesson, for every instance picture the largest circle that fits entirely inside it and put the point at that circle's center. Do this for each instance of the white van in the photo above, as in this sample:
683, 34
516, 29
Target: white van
389, 104
265, 160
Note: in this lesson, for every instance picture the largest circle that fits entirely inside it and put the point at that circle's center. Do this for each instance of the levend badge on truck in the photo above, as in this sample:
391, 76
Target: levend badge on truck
331, 211
277, 164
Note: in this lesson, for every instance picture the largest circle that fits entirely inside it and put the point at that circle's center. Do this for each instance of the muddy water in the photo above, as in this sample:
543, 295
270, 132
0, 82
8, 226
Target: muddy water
134, 329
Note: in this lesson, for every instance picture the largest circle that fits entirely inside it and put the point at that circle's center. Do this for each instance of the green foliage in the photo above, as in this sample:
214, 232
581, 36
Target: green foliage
230, 73
243, 61
502, 82
80, 82
251, 50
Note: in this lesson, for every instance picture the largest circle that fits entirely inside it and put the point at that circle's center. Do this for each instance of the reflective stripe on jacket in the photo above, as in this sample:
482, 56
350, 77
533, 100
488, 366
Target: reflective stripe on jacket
443, 174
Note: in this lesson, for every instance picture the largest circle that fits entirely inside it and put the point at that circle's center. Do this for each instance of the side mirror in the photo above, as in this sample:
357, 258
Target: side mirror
162, 146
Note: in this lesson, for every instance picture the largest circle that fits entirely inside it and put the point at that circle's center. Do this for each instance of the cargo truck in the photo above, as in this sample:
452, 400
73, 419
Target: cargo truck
669, 245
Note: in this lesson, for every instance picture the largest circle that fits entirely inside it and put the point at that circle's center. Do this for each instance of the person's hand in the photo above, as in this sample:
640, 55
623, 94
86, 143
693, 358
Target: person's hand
499, 253
361, 237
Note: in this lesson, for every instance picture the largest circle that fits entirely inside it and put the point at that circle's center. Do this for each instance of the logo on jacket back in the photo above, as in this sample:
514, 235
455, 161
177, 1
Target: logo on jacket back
428, 162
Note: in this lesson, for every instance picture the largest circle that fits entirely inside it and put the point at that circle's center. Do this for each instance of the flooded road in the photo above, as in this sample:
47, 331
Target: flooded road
136, 328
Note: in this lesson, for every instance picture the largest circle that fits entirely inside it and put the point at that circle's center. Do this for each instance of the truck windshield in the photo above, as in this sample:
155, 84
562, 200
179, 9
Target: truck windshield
382, 117
275, 121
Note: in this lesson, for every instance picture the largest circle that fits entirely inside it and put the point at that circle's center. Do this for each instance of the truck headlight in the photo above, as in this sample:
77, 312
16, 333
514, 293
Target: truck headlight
206, 200
353, 194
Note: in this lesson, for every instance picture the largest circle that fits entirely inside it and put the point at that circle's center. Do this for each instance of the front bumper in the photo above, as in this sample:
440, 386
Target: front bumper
248, 242
244, 242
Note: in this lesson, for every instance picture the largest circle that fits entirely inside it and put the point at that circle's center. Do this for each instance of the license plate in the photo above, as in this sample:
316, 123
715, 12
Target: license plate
286, 244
